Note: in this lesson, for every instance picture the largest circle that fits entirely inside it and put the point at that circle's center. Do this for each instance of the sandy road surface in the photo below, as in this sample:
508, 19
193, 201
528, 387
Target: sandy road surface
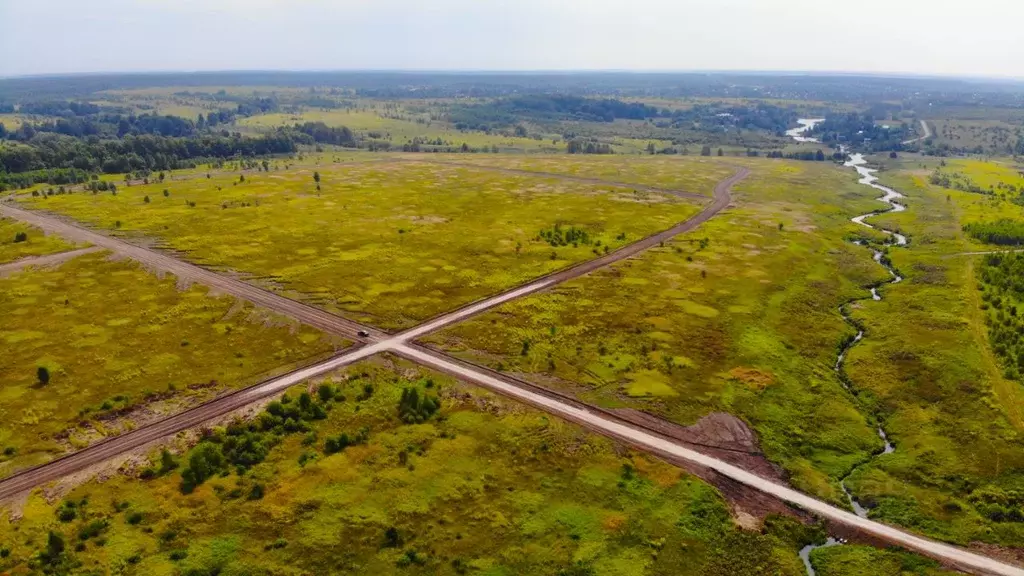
48, 260
722, 199
927, 134
190, 272
569, 177
659, 445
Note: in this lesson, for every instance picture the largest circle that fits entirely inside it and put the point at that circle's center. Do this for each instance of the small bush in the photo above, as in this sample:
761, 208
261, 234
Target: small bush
20, 237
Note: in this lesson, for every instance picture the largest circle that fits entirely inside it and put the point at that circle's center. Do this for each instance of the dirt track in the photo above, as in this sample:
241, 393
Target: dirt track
48, 260
722, 199
568, 177
191, 273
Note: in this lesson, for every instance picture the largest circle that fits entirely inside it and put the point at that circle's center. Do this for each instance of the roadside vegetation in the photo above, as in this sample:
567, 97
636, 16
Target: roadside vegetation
389, 244
94, 347
482, 485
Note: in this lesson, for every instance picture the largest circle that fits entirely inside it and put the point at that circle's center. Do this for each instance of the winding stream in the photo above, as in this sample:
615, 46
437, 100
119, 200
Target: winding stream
890, 197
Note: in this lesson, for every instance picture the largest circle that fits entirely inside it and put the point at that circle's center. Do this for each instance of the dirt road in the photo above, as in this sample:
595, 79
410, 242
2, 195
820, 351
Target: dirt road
114, 446
927, 134
957, 557
568, 177
48, 260
722, 199
191, 273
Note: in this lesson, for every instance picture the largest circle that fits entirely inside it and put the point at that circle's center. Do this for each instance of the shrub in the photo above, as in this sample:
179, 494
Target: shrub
43, 375
256, 492
134, 518
414, 409
20, 237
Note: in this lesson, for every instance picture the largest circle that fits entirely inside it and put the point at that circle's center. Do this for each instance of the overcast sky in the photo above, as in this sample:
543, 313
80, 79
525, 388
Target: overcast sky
961, 37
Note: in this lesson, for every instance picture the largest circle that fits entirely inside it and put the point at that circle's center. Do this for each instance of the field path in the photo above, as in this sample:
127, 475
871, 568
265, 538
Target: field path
304, 313
927, 134
48, 260
722, 199
568, 177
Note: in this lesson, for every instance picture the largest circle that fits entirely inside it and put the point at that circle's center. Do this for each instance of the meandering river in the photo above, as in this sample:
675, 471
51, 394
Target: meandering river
892, 199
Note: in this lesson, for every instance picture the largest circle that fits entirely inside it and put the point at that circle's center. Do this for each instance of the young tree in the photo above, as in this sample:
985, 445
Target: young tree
721, 152
316, 178
54, 547
705, 151
43, 374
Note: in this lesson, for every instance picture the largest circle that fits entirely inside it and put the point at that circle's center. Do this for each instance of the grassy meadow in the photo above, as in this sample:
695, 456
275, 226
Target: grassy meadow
388, 243
35, 242
481, 486
693, 174
740, 315
118, 343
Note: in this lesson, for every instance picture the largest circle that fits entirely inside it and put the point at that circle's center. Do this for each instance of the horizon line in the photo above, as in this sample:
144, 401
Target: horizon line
524, 72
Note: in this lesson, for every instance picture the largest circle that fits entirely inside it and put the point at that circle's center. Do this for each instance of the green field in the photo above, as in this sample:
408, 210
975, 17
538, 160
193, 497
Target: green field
120, 346
388, 243
35, 242
697, 174
484, 486
738, 316
399, 127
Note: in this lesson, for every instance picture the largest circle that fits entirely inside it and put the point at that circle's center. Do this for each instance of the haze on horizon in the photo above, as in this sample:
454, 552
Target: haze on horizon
928, 37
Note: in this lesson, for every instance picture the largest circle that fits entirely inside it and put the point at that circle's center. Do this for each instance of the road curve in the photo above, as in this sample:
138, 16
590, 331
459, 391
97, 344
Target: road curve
927, 134
722, 198
567, 177
952, 555
304, 313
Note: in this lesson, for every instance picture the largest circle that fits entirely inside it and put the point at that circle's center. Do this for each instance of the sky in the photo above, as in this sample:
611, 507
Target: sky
944, 37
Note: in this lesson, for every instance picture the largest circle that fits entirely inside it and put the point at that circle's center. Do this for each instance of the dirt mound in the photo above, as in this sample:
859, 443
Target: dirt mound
726, 437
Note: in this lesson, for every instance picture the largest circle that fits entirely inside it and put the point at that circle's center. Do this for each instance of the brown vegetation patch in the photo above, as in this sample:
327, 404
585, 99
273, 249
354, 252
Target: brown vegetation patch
752, 377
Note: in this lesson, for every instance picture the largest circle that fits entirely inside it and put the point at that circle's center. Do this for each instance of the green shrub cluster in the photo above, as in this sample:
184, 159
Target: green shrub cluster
343, 440
414, 409
1002, 285
559, 236
243, 445
1005, 232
